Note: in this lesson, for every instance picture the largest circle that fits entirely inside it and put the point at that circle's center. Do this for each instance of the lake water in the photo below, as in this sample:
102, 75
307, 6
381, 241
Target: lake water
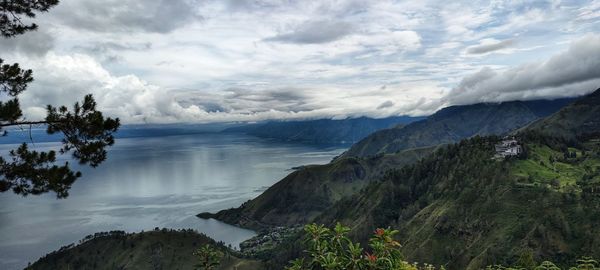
151, 182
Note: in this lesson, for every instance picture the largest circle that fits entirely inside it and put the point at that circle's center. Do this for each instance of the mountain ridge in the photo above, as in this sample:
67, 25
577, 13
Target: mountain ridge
453, 123
577, 120
321, 131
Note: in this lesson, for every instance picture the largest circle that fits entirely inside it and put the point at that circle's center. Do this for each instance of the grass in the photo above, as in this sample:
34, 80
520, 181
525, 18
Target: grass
545, 166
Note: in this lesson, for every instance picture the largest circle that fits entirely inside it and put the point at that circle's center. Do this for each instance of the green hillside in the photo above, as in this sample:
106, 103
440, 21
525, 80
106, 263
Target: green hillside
159, 249
307, 192
581, 119
461, 208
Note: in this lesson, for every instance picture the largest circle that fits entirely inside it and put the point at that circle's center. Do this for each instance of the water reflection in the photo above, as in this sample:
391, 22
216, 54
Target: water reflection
147, 183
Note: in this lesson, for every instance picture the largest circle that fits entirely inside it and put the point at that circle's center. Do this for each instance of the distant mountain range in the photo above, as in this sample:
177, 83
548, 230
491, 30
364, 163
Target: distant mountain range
456, 123
38, 134
322, 131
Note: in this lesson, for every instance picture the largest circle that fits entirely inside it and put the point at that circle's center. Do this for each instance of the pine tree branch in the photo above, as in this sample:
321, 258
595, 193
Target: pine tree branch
28, 123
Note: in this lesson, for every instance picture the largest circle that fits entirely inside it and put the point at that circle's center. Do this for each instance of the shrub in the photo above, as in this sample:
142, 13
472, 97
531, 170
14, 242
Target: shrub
208, 257
332, 249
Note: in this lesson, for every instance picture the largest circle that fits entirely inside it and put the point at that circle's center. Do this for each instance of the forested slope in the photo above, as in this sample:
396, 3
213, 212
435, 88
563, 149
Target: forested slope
452, 124
302, 195
305, 193
463, 208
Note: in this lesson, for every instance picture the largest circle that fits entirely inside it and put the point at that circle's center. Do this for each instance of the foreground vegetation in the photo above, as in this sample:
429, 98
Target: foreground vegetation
324, 248
332, 249
463, 208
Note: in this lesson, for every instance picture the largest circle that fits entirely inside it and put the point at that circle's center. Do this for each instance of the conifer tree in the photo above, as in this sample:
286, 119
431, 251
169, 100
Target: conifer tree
86, 131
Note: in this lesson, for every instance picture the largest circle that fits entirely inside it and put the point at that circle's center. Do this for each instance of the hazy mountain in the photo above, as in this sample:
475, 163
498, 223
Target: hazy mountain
323, 130
455, 123
38, 134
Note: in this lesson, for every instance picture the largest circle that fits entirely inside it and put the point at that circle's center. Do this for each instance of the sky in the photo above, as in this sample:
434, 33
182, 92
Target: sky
202, 61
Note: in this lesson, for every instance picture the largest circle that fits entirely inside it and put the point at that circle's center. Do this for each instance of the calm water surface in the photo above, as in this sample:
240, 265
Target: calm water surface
151, 182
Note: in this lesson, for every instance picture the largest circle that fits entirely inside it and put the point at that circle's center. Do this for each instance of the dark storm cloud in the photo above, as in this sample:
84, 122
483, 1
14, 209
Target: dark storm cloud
160, 16
486, 48
315, 32
579, 65
35, 43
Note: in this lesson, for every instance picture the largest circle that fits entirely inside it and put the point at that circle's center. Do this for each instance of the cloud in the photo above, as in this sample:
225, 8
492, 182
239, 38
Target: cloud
63, 80
573, 72
111, 52
487, 46
251, 5
104, 47
387, 43
590, 11
36, 43
385, 104
461, 21
252, 100
236, 60
315, 32
157, 16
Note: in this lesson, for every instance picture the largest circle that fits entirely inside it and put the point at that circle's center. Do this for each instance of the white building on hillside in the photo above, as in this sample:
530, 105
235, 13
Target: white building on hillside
508, 147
